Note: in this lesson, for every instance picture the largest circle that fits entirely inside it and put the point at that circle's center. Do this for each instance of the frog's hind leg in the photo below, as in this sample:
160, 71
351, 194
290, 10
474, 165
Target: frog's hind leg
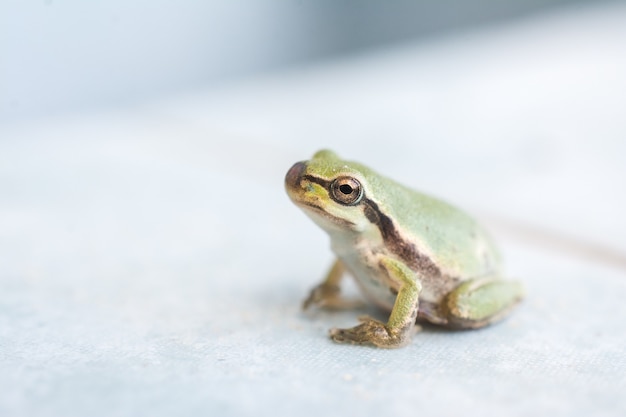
479, 302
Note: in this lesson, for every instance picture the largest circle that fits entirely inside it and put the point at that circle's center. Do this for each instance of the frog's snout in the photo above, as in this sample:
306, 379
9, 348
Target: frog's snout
292, 179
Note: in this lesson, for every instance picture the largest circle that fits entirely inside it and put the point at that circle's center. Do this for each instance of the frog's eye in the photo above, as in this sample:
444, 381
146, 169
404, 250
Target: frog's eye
346, 190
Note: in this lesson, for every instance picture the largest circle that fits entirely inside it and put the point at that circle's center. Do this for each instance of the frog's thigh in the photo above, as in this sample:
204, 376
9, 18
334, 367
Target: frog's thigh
479, 302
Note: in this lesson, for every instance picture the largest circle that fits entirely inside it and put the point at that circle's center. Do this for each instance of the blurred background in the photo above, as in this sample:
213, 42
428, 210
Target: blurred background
151, 263
64, 55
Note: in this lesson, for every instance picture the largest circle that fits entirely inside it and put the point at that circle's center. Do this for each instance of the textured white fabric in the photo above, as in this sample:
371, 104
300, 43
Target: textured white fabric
151, 264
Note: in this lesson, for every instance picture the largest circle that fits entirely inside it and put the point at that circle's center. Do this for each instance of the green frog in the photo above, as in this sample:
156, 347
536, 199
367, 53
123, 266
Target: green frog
411, 254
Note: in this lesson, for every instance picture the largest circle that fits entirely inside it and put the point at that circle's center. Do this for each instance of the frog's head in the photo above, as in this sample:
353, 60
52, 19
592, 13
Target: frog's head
331, 191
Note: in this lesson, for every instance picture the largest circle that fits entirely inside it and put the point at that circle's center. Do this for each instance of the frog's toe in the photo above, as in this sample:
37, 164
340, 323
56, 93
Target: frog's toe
369, 332
365, 333
329, 297
321, 296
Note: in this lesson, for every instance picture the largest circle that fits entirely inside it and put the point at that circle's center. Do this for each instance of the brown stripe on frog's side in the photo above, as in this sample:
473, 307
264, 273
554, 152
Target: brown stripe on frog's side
403, 249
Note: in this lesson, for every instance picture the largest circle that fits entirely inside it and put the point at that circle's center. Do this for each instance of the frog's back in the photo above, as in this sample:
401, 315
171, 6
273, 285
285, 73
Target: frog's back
439, 233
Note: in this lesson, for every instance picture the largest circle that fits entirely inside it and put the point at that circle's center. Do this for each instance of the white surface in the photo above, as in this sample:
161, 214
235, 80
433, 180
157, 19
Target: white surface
152, 265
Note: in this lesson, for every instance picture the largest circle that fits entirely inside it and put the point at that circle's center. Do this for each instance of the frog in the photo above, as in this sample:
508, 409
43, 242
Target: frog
415, 256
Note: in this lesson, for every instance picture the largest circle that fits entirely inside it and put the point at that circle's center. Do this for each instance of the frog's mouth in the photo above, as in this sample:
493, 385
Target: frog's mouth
318, 212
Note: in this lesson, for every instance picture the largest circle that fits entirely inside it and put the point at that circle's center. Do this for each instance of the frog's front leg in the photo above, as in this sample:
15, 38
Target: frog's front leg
479, 302
328, 293
399, 328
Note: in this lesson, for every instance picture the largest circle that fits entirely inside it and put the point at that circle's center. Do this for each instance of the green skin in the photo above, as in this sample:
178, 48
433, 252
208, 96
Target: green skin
411, 254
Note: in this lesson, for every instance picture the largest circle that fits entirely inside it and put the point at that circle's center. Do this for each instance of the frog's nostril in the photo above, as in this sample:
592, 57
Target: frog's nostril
295, 173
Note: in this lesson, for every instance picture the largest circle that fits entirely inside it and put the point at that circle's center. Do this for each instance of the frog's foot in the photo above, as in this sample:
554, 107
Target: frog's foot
477, 303
371, 332
328, 296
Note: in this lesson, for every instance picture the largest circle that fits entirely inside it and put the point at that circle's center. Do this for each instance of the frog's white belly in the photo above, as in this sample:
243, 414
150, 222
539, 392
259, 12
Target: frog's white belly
375, 285
372, 282
362, 260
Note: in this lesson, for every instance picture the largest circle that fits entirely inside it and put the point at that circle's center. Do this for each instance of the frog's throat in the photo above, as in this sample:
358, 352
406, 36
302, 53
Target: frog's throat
399, 246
